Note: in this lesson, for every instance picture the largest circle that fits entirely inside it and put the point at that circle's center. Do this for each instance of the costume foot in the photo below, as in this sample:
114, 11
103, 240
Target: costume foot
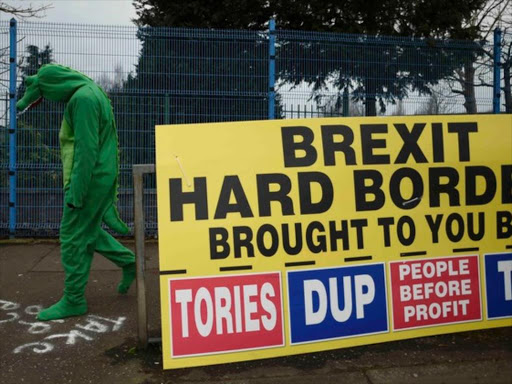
61, 310
128, 277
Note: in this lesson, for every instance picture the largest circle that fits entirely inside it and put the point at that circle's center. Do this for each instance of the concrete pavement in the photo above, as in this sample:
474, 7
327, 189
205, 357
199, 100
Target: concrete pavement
101, 347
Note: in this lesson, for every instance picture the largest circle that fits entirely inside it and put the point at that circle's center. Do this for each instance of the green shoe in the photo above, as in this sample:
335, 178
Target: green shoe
61, 310
128, 277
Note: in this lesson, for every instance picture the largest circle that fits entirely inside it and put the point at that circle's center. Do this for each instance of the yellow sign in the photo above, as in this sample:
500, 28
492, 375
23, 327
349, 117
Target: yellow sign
292, 236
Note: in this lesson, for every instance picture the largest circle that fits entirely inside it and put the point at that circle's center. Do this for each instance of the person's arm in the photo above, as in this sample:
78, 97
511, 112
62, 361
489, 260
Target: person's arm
85, 116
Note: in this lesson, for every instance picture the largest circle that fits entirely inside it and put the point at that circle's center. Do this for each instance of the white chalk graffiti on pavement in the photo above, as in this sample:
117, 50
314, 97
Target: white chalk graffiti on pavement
85, 328
47, 347
71, 336
37, 327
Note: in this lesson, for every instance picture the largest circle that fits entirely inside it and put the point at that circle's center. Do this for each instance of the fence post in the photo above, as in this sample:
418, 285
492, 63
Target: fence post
271, 68
12, 127
139, 233
497, 71
167, 119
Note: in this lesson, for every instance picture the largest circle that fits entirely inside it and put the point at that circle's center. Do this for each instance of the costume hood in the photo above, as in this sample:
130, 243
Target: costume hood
53, 82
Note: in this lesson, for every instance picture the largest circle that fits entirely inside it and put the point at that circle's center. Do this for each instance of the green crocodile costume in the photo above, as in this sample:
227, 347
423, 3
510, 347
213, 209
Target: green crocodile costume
88, 139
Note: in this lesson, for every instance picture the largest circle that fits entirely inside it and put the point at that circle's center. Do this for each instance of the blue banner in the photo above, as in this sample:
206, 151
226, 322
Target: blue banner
498, 282
335, 303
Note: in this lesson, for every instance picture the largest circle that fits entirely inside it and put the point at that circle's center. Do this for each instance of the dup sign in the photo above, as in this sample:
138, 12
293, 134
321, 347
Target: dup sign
333, 303
293, 236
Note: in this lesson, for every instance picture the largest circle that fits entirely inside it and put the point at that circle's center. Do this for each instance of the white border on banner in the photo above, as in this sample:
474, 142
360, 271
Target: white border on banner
341, 337
440, 324
169, 280
485, 284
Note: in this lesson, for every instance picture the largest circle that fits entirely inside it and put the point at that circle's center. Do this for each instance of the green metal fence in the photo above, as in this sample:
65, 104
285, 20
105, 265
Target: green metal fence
176, 75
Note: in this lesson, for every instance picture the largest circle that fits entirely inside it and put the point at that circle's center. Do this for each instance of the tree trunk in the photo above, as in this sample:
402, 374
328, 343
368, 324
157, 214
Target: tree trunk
508, 90
370, 97
469, 88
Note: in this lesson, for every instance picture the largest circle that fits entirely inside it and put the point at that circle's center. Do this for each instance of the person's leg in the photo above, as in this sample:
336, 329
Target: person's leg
119, 255
78, 234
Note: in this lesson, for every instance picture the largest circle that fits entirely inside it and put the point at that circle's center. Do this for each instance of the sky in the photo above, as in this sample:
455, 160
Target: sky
112, 12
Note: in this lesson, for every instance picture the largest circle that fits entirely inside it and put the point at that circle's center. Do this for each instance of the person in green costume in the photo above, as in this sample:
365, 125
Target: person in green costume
88, 140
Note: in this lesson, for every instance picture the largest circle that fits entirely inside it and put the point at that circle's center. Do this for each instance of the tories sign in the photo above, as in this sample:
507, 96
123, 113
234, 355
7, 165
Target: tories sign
225, 313
292, 236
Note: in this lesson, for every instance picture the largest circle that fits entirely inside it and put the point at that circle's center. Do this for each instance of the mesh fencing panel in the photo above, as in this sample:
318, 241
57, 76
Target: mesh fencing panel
177, 75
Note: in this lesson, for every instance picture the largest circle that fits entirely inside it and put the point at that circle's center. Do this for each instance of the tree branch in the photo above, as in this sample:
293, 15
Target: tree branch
495, 19
22, 11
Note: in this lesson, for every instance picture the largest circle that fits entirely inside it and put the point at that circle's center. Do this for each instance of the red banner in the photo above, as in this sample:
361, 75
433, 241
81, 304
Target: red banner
225, 313
436, 291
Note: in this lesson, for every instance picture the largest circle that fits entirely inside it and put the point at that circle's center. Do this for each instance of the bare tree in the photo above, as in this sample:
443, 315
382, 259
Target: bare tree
112, 82
440, 102
487, 61
477, 65
506, 57
23, 11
